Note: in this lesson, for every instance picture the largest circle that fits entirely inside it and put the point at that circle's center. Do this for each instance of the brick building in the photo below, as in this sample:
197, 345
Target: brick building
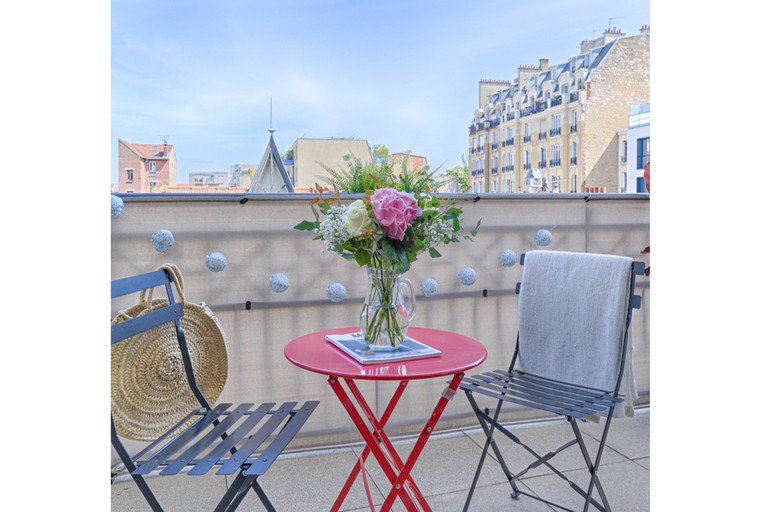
555, 128
413, 162
145, 167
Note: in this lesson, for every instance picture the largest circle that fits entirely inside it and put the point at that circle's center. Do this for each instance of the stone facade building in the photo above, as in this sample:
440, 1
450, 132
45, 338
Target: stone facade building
309, 153
145, 168
555, 128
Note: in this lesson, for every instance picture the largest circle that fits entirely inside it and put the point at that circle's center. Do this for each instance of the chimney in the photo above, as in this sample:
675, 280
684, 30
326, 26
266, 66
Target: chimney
165, 147
525, 72
543, 64
645, 29
611, 34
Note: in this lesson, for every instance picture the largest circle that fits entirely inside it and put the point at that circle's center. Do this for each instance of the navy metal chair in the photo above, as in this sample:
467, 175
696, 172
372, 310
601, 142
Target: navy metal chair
217, 429
574, 402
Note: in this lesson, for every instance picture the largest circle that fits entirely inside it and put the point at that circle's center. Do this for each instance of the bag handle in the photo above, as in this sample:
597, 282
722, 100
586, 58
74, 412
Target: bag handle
178, 280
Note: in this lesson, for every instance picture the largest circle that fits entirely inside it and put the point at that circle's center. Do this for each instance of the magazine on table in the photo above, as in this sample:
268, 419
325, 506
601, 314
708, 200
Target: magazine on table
353, 344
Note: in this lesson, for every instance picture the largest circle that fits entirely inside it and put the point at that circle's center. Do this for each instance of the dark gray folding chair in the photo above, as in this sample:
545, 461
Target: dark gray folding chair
216, 429
570, 399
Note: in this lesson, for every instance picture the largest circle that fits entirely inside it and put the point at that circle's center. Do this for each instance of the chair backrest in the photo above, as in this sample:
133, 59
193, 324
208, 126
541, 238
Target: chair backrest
170, 313
574, 314
173, 312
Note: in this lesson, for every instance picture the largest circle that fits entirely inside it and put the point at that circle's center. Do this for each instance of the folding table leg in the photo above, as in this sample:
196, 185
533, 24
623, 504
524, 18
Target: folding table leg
378, 431
421, 441
370, 441
366, 451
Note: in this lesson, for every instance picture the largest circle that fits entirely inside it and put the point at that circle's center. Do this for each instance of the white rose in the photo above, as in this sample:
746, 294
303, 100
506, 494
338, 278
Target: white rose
356, 218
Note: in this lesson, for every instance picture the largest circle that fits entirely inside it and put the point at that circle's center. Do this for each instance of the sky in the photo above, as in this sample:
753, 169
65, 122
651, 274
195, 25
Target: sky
400, 73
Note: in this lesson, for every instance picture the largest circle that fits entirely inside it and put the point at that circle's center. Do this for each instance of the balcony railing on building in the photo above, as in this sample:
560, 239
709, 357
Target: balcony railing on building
573, 160
508, 168
542, 164
573, 128
554, 131
623, 159
527, 166
510, 142
527, 138
557, 100
495, 145
555, 162
495, 170
510, 116
575, 96
542, 135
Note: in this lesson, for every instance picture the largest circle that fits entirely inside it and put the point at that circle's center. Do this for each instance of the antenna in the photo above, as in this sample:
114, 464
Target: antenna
271, 123
610, 20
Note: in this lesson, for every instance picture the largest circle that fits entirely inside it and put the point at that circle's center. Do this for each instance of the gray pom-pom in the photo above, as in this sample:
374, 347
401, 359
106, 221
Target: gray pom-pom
508, 258
162, 240
336, 292
117, 206
543, 238
429, 287
279, 282
216, 262
467, 276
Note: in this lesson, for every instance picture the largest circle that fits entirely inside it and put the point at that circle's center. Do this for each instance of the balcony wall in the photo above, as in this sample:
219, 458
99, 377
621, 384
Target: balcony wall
258, 240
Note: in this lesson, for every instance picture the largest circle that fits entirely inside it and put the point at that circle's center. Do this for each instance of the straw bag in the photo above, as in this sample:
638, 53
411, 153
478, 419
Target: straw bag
150, 392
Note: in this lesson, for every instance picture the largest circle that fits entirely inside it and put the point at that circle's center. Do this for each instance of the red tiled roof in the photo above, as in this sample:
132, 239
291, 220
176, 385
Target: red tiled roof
149, 151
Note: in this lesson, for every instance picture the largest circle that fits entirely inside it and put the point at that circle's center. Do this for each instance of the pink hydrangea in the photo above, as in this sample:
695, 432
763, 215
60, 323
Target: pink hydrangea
395, 210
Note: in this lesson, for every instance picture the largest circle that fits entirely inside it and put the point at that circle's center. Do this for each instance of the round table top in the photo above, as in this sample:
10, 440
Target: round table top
459, 353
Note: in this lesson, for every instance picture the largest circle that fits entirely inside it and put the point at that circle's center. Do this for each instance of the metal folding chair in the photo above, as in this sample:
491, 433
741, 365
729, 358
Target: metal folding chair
574, 402
212, 439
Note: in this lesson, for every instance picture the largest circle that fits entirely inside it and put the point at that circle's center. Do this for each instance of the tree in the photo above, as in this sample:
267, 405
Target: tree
460, 173
380, 153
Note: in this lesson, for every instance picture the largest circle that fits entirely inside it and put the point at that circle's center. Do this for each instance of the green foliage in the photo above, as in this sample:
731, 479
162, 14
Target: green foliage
380, 153
461, 174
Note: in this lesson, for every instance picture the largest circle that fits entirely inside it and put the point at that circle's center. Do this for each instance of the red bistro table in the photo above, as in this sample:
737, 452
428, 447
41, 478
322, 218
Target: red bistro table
459, 353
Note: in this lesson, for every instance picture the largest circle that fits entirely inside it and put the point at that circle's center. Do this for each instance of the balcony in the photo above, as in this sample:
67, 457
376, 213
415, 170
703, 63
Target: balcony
574, 96
494, 170
510, 116
527, 166
554, 132
557, 100
623, 159
508, 168
259, 240
573, 128
555, 162
542, 135
510, 142
495, 146
542, 164
527, 138
573, 160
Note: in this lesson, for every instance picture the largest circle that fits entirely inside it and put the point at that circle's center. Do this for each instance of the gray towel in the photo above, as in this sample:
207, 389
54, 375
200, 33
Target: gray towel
572, 314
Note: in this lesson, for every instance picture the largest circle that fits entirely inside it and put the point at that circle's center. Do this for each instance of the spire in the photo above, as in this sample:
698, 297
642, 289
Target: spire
271, 123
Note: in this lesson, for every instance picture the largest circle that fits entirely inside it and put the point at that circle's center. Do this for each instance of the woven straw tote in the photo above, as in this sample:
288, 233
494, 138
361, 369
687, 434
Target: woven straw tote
150, 392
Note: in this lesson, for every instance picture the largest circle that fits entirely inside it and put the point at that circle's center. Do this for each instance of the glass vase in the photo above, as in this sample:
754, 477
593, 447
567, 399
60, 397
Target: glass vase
388, 310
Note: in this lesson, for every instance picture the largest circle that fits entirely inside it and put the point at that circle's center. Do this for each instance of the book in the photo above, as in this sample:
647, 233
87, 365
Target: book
353, 344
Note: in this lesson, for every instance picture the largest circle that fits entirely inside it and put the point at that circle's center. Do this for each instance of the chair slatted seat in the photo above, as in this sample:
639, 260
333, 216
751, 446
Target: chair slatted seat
246, 439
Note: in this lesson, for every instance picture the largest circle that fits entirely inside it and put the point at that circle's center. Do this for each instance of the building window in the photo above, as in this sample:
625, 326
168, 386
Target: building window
643, 152
623, 151
556, 155
527, 130
573, 153
542, 126
574, 118
556, 123
494, 185
542, 157
482, 140
129, 175
129, 191
565, 90
495, 164
555, 182
152, 169
527, 159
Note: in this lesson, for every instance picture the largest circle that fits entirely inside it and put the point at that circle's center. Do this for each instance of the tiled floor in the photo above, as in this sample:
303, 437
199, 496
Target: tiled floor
310, 482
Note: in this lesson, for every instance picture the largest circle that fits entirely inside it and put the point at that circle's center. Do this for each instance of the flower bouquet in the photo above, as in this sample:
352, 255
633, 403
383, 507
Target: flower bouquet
398, 219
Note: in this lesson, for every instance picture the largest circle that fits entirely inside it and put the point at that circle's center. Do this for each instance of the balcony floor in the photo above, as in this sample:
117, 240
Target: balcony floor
309, 481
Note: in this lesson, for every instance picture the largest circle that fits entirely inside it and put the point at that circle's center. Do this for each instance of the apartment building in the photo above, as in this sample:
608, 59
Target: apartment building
309, 153
145, 167
555, 128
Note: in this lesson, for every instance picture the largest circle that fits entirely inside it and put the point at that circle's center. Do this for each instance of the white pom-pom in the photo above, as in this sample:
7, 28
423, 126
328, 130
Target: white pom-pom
279, 282
429, 287
216, 262
508, 258
467, 276
336, 292
117, 206
543, 238
162, 240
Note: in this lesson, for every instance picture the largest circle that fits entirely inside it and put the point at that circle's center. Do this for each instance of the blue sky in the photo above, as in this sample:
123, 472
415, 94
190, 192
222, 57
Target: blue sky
395, 72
